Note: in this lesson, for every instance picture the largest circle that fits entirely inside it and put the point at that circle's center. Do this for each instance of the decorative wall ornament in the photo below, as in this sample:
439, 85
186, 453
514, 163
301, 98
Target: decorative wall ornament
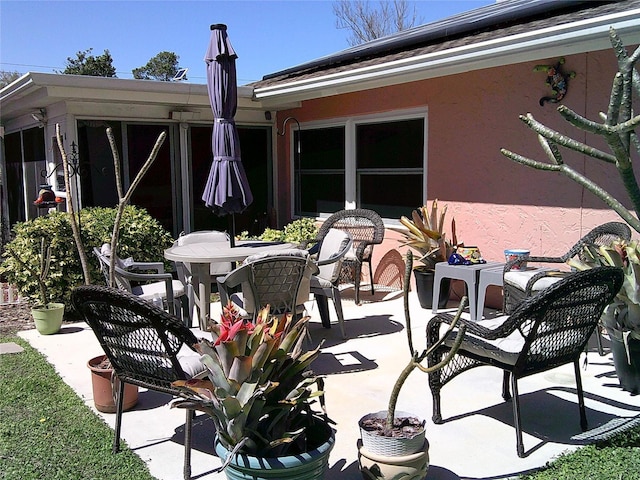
556, 79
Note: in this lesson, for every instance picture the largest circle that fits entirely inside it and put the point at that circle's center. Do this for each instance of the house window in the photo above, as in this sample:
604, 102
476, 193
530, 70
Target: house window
375, 163
320, 170
389, 166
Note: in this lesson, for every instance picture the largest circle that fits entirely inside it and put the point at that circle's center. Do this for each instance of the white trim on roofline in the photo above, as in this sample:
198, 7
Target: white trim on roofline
572, 38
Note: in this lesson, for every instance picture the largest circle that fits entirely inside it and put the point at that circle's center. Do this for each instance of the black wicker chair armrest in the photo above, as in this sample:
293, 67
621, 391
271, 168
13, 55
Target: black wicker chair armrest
519, 261
472, 328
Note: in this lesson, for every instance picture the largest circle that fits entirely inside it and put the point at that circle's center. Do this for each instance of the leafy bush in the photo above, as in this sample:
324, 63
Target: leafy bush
141, 237
298, 231
301, 230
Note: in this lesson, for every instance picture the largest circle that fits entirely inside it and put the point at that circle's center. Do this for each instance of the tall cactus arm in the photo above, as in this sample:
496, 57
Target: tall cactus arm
564, 141
580, 179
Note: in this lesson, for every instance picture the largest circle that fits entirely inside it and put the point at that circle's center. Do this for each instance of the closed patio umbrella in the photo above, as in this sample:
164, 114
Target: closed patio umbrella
227, 190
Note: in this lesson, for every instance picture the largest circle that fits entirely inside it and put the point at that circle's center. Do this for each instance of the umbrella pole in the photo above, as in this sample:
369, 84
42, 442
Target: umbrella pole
232, 230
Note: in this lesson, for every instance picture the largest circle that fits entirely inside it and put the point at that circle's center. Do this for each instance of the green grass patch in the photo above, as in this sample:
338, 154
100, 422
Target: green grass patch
46, 431
615, 459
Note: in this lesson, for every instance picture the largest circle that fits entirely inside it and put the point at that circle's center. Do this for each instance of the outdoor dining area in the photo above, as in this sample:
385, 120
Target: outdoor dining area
555, 402
243, 369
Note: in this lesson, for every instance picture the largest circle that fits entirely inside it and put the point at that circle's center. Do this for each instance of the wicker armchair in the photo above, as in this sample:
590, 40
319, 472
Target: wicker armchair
366, 229
518, 285
146, 346
545, 331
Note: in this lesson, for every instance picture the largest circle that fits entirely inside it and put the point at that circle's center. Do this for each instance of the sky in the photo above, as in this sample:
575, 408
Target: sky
268, 35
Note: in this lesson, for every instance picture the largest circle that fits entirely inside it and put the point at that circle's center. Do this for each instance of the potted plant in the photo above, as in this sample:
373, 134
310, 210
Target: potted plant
47, 315
621, 318
104, 385
425, 234
393, 444
259, 393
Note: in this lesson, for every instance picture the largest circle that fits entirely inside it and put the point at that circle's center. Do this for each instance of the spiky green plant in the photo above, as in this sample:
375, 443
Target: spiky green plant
622, 316
259, 389
425, 234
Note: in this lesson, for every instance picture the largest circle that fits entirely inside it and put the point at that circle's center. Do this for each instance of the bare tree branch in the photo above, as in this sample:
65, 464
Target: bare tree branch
367, 22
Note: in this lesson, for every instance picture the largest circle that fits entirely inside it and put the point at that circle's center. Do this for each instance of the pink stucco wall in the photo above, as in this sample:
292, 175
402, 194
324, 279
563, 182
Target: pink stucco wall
496, 203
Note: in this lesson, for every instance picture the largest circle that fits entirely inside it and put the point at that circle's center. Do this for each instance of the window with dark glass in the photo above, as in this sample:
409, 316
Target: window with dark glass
389, 166
319, 171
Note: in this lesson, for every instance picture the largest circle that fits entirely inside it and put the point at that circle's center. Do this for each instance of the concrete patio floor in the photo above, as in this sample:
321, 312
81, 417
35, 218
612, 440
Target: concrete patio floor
477, 440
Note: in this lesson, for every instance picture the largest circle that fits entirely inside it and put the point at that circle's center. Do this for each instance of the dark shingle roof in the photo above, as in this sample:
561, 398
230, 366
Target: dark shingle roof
498, 20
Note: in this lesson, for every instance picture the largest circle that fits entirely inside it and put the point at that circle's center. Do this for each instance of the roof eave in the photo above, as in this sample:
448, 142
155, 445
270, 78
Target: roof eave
567, 39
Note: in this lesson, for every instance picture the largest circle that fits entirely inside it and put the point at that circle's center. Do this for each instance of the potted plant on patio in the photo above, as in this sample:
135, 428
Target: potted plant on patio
47, 314
393, 443
621, 318
259, 393
425, 233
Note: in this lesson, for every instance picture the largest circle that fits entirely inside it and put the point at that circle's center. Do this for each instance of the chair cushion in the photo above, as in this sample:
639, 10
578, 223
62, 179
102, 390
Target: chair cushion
150, 290
504, 349
519, 279
319, 283
332, 244
190, 362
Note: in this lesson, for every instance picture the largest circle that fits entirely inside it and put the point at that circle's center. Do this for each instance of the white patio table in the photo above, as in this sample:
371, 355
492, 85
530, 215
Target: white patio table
201, 255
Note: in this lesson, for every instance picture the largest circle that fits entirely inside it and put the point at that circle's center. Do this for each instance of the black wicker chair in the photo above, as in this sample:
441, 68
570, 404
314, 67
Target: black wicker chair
544, 332
366, 229
517, 289
144, 345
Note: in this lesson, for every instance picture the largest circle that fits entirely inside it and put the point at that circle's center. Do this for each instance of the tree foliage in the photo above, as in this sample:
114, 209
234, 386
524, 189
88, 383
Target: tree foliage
87, 64
368, 22
7, 77
162, 67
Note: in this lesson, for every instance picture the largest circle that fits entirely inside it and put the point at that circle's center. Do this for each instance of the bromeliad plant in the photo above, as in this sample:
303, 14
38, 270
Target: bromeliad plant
622, 316
425, 234
259, 389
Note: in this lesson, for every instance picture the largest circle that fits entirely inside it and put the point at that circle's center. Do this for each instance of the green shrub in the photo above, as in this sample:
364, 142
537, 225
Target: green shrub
141, 237
298, 231
301, 230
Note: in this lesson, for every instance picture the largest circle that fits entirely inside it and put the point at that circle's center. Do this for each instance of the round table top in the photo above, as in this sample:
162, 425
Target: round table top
213, 252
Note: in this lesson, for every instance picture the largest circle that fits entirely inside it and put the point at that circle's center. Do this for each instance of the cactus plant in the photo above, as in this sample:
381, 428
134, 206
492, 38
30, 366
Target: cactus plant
39, 272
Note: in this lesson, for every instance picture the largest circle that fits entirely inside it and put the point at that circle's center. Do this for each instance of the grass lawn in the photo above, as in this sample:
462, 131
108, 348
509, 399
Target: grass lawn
47, 432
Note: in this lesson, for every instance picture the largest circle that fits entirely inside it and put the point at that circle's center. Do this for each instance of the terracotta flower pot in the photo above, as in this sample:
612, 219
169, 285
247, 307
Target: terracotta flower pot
104, 393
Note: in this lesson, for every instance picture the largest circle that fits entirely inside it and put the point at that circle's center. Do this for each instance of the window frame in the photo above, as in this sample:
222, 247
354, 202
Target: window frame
350, 168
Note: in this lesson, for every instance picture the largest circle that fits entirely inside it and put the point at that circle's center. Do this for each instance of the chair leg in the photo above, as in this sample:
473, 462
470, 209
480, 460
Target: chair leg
516, 417
119, 406
435, 394
323, 309
371, 277
337, 303
583, 413
188, 427
505, 386
358, 272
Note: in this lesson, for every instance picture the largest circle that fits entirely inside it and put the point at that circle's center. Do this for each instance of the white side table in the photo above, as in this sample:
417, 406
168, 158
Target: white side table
467, 273
488, 276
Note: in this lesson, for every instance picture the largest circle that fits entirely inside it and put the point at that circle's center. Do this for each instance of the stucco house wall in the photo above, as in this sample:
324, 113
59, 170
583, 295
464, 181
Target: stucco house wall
496, 203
